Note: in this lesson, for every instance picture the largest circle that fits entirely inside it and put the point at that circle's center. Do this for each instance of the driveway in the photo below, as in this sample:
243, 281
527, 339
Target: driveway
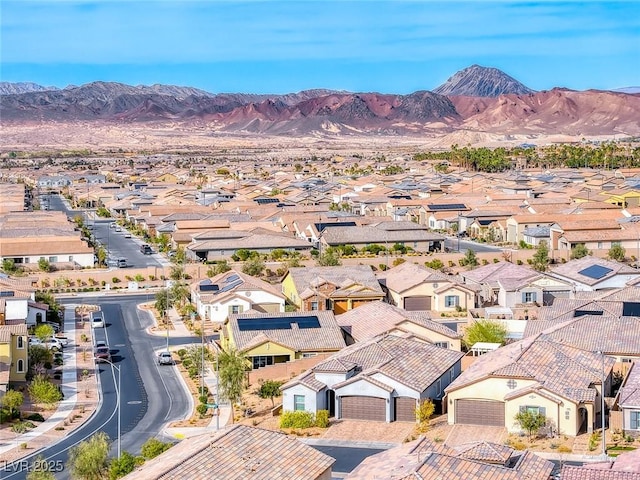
367, 431
461, 434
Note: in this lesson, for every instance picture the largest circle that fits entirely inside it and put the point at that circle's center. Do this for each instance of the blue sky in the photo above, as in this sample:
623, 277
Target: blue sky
287, 46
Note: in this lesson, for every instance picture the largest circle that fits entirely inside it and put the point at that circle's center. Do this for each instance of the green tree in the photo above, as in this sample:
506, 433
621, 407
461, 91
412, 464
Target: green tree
43, 391
243, 254
294, 260
579, 251
617, 252
9, 265
154, 447
89, 460
253, 267
44, 265
163, 303
484, 331
44, 332
53, 314
470, 259
270, 389
218, 268
39, 355
540, 260
435, 264
329, 258
12, 401
232, 369
101, 253
530, 421
40, 470
119, 467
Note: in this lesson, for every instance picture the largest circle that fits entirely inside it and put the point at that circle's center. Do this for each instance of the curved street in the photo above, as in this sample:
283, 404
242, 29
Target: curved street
151, 396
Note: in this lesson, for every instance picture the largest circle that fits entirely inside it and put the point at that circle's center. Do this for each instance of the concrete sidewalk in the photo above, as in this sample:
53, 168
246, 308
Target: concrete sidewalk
225, 413
69, 389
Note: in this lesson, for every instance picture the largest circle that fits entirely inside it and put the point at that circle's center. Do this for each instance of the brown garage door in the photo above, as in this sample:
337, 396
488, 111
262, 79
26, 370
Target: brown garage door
405, 408
480, 412
363, 408
412, 304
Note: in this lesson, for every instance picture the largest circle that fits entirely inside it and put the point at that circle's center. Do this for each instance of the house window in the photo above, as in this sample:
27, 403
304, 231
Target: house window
634, 418
71, 258
262, 361
435, 286
452, 374
20, 342
314, 305
599, 245
511, 383
438, 387
309, 355
567, 414
20, 366
533, 409
442, 344
298, 402
529, 297
53, 259
235, 309
451, 301
328, 304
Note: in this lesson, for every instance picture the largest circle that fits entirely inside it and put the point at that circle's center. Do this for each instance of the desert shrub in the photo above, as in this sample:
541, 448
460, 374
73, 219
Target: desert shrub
202, 409
518, 446
182, 352
154, 447
564, 449
322, 418
297, 419
203, 398
35, 417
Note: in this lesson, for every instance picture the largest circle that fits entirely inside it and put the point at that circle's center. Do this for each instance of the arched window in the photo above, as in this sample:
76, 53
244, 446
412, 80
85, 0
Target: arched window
38, 317
20, 367
20, 342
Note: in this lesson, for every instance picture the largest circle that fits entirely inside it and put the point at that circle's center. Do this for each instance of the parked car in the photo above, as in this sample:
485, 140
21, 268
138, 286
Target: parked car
100, 344
146, 249
51, 344
122, 263
63, 340
165, 358
101, 354
97, 319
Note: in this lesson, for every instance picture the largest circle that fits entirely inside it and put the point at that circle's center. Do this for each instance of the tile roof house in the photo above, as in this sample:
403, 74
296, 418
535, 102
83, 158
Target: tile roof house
414, 287
591, 273
238, 453
376, 318
421, 459
628, 401
230, 292
409, 234
625, 467
382, 379
14, 361
610, 323
339, 288
562, 382
268, 338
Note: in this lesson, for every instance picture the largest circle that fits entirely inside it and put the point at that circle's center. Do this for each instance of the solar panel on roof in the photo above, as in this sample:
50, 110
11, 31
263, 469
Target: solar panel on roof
209, 288
7, 293
263, 201
595, 271
232, 278
582, 313
631, 309
230, 286
277, 323
447, 206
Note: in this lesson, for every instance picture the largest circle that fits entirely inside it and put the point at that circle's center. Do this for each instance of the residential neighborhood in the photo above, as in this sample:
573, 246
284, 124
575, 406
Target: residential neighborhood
433, 317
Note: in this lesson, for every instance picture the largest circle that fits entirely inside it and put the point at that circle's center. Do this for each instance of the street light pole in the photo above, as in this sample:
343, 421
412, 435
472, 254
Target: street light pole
119, 392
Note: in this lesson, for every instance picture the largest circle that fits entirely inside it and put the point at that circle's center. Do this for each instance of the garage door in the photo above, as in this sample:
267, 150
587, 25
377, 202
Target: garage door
405, 408
480, 412
412, 304
363, 408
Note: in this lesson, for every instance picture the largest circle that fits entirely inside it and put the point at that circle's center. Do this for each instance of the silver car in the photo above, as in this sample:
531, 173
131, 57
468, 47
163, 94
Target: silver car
165, 358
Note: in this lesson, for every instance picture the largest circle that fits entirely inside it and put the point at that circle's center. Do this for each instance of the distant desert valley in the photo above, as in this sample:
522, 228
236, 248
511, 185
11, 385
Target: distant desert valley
477, 106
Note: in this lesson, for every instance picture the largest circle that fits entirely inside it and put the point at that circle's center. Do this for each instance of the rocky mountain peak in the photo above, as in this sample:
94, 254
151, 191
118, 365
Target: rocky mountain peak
478, 81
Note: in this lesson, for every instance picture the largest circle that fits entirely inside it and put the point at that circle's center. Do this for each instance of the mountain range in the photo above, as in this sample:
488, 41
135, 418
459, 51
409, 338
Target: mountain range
476, 99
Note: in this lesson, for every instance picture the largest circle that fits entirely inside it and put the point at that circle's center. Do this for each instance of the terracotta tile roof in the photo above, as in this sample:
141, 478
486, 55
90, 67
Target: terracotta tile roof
408, 275
424, 460
327, 337
306, 277
588, 472
375, 318
6, 331
237, 453
564, 370
572, 268
486, 452
629, 394
238, 282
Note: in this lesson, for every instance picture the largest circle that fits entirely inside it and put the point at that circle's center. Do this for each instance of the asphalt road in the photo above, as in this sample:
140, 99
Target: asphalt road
453, 245
151, 396
347, 458
115, 243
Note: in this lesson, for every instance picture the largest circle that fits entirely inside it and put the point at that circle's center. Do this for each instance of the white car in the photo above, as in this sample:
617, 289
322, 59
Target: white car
52, 343
97, 319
